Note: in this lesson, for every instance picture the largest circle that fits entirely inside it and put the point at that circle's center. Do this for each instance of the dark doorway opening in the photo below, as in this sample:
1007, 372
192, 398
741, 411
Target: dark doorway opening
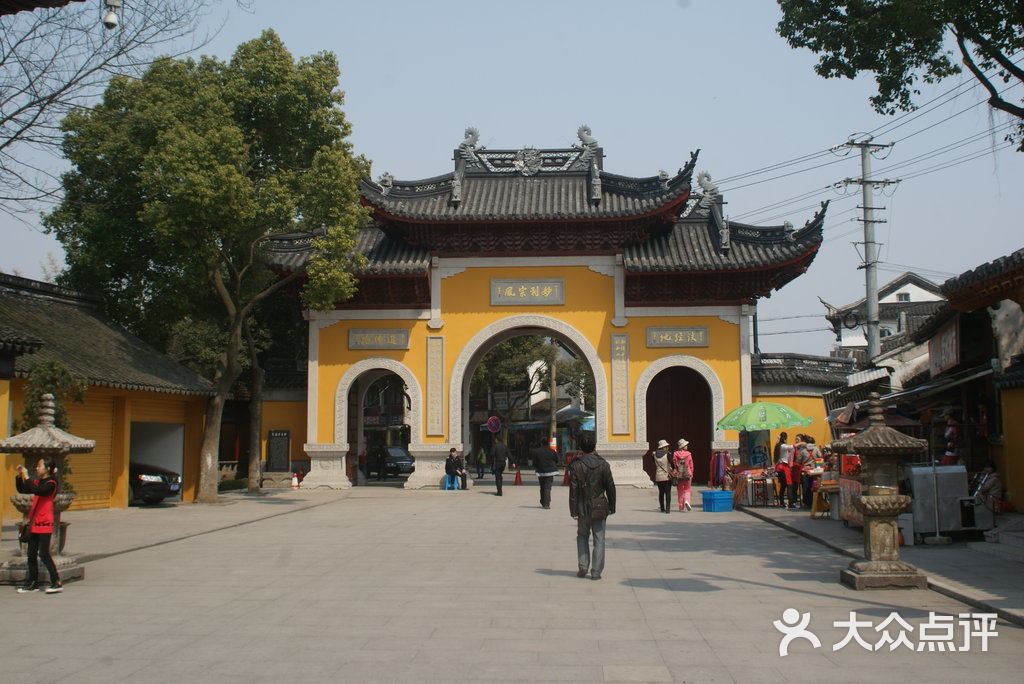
679, 405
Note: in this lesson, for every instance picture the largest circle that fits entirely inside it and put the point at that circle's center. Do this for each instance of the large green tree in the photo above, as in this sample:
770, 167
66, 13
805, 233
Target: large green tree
906, 42
179, 178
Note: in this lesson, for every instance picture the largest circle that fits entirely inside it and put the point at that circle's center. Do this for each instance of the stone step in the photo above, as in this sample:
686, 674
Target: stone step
1015, 539
1001, 550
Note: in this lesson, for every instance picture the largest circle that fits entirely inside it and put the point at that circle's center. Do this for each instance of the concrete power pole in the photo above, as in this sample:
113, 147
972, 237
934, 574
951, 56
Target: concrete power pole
870, 246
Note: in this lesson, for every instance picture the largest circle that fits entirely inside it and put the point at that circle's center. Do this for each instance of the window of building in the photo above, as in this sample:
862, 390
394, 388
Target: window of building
902, 296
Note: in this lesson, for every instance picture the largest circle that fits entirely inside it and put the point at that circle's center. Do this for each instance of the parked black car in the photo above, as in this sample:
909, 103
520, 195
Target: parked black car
392, 460
152, 484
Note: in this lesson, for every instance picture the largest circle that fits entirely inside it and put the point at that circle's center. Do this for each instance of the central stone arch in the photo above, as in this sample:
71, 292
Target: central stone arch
692, 362
503, 328
341, 436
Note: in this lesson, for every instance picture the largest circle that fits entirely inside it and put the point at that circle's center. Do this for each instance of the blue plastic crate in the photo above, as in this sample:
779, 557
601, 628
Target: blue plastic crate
717, 502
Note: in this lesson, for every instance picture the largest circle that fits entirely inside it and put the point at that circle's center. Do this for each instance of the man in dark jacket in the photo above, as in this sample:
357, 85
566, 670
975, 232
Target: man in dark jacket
545, 460
451, 470
499, 459
591, 499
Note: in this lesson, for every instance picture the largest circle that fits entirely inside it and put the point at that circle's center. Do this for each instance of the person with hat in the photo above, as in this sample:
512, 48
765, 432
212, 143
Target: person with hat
682, 464
662, 478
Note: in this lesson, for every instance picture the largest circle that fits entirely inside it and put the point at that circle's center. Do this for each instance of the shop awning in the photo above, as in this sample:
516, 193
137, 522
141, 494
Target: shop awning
940, 385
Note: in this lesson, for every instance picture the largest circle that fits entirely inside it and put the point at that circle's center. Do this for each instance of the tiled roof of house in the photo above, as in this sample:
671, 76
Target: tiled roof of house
800, 369
986, 284
72, 331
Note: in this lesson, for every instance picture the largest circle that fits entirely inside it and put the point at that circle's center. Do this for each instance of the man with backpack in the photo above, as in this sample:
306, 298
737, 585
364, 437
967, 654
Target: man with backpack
591, 501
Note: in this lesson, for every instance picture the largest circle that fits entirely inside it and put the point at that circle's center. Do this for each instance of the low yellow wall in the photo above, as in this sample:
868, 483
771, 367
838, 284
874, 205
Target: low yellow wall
1011, 464
100, 478
812, 407
285, 415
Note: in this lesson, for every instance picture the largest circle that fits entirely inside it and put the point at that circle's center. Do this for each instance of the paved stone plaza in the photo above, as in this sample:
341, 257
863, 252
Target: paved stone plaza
379, 584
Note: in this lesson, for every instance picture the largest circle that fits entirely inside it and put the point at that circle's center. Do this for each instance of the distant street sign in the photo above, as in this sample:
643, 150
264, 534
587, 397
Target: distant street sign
493, 424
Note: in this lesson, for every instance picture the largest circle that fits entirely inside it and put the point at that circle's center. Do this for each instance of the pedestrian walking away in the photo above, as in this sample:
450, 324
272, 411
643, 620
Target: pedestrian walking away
591, 501
662, 476
682, 464
481, 461
40, 523
499, 459
545, 460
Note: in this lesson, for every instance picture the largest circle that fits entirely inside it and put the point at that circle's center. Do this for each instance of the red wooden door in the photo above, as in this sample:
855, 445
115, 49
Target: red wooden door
679, 405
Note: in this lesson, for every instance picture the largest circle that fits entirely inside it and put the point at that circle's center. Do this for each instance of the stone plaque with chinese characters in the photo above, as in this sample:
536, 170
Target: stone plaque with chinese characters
527, 291
435, 385
677, 337
379, 338
620, 384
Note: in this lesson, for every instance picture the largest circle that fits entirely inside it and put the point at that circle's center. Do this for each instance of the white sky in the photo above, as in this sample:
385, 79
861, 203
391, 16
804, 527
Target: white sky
654, 79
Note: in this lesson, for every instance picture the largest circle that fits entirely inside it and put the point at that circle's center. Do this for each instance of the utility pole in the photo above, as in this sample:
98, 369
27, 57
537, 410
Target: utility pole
870, 246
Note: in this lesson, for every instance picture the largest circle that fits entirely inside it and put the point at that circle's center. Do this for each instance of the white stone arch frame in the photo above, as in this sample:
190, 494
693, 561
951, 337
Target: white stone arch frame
498, 329
352, 374
693, 363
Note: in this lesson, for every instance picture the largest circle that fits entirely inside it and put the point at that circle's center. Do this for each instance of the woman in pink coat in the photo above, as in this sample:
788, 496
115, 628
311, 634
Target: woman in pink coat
682, 462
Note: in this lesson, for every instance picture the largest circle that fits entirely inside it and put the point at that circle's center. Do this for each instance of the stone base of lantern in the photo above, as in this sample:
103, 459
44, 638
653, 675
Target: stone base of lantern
869, 579
16, 571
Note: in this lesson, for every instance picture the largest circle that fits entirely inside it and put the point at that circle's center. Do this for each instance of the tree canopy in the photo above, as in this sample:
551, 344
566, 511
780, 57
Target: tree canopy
179, 177
907, 42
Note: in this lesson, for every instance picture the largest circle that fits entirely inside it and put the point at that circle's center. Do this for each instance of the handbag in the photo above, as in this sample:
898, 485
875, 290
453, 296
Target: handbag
25, 533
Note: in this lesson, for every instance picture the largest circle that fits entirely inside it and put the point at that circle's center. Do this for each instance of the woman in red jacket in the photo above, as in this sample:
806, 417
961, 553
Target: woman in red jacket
40, 521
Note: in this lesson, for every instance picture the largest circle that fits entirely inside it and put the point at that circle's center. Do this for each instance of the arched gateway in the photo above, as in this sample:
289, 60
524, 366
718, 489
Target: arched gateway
641, 275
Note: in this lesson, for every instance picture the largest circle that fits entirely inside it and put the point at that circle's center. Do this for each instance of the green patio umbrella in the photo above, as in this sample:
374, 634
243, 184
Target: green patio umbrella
762, 415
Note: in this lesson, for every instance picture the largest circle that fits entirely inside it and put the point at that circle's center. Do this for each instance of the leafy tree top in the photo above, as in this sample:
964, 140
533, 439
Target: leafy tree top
906, 42
179, 176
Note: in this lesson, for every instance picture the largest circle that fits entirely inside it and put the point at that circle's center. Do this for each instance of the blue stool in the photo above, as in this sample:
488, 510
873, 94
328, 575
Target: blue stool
451, 482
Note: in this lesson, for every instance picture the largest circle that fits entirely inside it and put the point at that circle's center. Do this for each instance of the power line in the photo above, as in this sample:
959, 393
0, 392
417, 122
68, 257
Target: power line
794, 332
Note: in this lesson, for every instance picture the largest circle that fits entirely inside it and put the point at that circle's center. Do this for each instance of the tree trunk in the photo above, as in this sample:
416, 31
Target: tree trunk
209, 452
255, 415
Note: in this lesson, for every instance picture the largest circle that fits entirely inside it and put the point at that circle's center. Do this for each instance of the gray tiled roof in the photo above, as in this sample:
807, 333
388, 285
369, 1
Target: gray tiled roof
800, 369
17, 341
384, 255
74, 333
999, 268
692, 245
518, 198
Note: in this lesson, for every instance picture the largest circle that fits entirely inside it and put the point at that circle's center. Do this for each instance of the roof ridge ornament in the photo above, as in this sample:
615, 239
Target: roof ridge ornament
584, 134
385, 182
709, 187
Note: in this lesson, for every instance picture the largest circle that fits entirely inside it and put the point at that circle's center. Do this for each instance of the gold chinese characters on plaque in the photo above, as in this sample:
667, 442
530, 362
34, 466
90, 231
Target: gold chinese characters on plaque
382, 338
677, 337
527, 291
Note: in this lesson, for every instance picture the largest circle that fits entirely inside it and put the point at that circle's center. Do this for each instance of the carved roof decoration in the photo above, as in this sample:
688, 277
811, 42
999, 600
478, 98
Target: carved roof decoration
528, 184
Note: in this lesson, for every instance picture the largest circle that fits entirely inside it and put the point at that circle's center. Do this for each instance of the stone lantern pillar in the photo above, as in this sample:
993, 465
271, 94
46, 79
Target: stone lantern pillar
880, 448
44, 440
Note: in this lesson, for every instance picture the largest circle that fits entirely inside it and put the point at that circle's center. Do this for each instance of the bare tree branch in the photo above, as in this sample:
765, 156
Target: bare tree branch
53, 61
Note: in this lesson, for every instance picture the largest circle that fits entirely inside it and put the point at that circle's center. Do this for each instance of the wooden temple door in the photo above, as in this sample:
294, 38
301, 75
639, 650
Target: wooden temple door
679, 405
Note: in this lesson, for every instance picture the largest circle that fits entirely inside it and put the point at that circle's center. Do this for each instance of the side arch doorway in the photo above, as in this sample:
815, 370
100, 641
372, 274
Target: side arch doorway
679, 405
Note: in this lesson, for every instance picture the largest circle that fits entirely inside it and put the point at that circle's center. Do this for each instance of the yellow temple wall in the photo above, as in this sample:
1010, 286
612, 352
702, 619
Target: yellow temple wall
812, 407
466, 309
1011, 465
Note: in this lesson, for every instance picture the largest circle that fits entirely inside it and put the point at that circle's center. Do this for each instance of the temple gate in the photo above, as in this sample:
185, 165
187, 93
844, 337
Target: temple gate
644, 276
